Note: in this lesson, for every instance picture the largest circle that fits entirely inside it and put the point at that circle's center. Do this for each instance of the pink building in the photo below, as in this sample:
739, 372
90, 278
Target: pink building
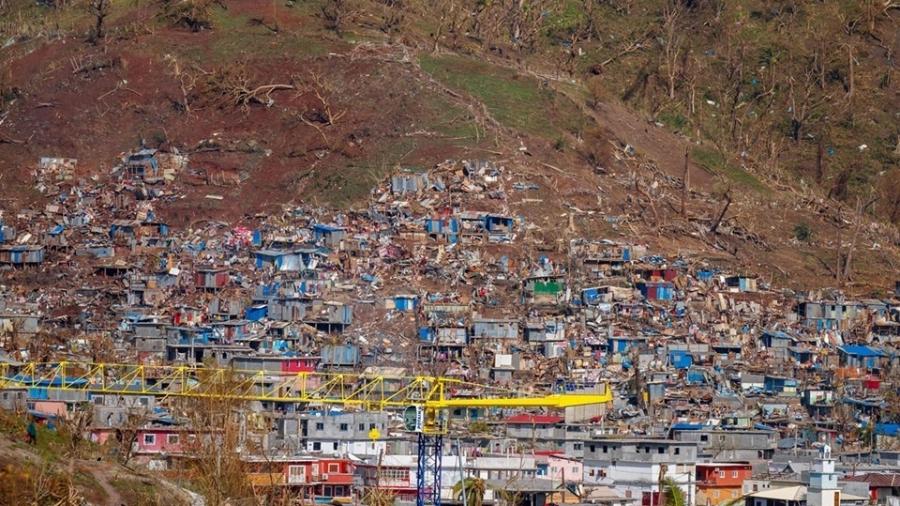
49, 408
557, 467
158, 440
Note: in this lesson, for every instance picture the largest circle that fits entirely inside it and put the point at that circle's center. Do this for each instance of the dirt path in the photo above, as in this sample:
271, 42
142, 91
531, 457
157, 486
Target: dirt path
101, 473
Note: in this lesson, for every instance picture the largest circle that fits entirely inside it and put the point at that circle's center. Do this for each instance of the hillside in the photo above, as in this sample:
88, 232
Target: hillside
60, 470
595, 103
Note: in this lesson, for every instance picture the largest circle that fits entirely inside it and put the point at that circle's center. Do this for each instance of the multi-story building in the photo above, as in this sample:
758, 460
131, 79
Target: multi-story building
722, 482
316, 479
731, 445
637, 466
340, 434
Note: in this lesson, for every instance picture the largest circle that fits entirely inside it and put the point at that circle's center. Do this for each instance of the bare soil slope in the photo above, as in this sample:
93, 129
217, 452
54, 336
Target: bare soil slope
274, 110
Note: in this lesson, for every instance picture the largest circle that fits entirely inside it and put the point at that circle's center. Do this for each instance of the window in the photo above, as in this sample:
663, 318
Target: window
578, 446
98, 400
677, 450
394, 474
334, 445
144, 401
334, 467
660, 450
320, 426
362, 427
317, 446
592, 448
721, 474
734, 474
344, 427
371, 426
149, 439
647, 449
704, 437
172, 439
605, 449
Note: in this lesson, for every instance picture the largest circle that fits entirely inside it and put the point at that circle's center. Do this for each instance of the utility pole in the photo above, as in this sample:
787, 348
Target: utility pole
462, 471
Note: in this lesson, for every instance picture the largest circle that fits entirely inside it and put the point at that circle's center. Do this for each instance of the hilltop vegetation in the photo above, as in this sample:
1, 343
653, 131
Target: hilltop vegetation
778, 105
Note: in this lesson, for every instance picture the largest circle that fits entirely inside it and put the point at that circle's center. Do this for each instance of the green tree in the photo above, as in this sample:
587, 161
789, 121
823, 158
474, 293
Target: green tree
474, 488
672, 493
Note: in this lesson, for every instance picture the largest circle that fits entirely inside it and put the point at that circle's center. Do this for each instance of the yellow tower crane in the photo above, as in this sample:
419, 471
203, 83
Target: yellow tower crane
423, 399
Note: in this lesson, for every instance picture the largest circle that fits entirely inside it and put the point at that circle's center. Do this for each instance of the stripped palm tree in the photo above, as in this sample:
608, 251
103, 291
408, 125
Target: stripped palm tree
672, 493
474, 489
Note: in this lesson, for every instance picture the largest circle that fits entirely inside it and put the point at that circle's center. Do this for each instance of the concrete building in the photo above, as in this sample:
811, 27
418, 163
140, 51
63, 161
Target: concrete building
341, 433
721, 482
731, 445
636, 465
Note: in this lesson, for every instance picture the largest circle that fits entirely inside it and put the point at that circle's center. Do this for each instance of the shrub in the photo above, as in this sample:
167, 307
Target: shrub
802, 232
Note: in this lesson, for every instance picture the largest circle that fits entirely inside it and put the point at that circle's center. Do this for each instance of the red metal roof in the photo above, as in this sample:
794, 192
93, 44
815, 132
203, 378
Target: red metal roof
877, 480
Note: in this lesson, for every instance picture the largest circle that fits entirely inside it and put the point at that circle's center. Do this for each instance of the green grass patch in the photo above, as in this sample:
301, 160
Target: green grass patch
236, 36
87, 482
675, 121
561, 23
451, 120
515, 101
138, 492
343, 187
31, 19
50, 443
716, 163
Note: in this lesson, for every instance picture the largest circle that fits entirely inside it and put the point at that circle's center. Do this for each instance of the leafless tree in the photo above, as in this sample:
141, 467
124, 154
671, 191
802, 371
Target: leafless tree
526, 19
100, 10
392, 17
217, 467
187, 81
862, 208
672, 43
127, 434
726, 196
335, 15
450, 24
326, 113
193, 14
804, 101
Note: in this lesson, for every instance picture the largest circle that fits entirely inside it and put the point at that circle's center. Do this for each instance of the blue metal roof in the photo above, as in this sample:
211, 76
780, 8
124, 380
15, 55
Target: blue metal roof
686, 426
327, 228
887, 429
862, 351
43, 382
